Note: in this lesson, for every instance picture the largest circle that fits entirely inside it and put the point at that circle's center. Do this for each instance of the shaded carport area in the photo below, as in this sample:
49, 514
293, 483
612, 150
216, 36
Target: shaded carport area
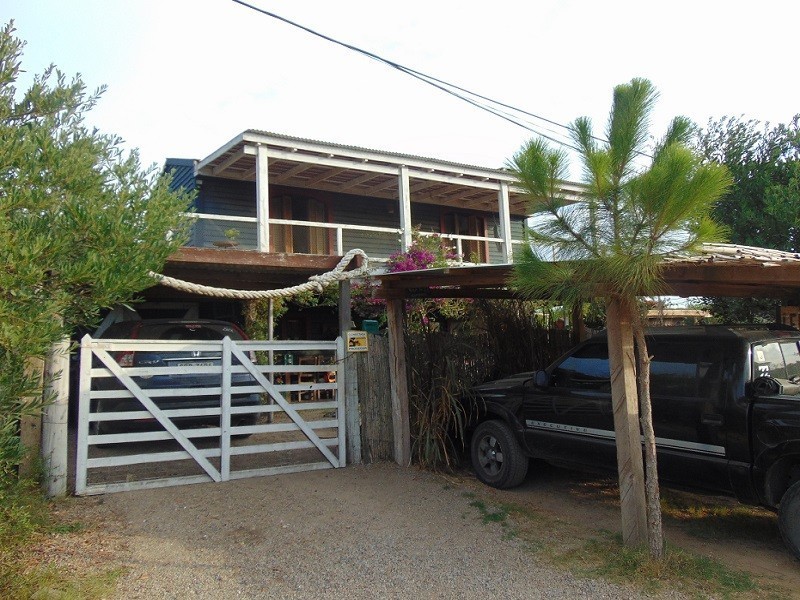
718, 270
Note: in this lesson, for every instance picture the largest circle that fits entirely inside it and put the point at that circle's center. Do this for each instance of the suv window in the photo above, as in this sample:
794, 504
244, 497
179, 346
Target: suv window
679, 367
776, 359
791, 354
586, 369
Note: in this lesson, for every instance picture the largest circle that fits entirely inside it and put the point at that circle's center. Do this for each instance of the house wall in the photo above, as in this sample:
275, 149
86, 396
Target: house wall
237, 198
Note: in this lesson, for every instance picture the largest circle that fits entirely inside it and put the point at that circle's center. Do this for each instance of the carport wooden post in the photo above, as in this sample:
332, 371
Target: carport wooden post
626, 422
350, 374
399, 382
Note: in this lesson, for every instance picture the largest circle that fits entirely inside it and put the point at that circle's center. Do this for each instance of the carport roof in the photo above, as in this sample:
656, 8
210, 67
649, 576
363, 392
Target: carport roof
718, 270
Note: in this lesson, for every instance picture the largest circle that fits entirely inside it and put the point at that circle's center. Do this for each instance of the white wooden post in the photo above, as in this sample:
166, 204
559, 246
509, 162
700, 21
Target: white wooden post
404, 194
85, 380
54, 423
271, 353
262, 198
225, 412
505, 222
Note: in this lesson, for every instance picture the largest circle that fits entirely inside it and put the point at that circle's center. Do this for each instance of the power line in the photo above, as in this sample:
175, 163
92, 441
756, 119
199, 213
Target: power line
477, 100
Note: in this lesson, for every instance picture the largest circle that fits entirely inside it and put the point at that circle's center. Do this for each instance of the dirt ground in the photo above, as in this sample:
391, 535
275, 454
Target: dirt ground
743, 538
218, 540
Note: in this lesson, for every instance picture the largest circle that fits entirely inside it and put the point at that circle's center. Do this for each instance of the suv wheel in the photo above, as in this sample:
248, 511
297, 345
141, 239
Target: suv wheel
497, 457
789, 519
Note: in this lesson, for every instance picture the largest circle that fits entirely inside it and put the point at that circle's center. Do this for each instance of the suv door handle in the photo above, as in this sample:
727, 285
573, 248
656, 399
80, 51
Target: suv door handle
711, 419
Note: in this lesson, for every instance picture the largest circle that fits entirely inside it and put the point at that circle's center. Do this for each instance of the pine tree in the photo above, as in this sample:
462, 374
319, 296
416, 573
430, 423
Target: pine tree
640, 204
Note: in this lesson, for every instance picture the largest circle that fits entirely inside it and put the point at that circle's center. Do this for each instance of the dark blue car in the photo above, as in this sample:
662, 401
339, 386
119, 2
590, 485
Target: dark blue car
173, 330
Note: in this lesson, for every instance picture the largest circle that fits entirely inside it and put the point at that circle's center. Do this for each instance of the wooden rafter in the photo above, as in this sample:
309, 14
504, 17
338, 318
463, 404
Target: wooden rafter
219, 169
327, 174
357, 181
295, 170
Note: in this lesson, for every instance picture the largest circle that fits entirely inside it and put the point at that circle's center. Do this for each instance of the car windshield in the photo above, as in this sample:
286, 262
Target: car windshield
175, 331
187, 332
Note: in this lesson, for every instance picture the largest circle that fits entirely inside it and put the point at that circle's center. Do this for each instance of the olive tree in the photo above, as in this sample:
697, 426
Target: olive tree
762, 207
81, 225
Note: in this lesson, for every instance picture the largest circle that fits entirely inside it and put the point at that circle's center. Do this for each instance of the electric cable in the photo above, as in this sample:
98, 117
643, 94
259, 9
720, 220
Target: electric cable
437, 83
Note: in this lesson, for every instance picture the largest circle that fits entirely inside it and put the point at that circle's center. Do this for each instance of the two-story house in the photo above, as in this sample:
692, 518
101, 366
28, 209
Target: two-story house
298, 205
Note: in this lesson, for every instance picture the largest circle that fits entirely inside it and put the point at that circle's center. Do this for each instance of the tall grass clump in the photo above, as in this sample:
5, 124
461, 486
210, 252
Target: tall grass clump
448, 357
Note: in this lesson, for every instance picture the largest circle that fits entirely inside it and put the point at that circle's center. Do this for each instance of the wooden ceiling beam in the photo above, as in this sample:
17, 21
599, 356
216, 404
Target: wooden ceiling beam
323, 176
358, 181
231, 160
295, 170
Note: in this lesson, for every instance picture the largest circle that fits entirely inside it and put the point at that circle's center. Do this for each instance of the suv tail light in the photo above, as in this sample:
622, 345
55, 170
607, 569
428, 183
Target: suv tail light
125, 358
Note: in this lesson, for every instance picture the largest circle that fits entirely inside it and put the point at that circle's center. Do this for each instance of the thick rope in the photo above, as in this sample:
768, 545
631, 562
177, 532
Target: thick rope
316, 283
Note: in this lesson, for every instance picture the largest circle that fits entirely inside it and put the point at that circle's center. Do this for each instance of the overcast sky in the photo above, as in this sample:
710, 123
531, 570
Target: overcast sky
184, 76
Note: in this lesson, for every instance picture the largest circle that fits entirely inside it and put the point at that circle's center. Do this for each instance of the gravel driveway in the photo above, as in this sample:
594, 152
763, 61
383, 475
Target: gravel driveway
374, 531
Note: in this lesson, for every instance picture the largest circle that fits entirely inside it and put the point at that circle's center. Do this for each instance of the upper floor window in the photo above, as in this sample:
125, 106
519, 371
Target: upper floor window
298, 239
460, 223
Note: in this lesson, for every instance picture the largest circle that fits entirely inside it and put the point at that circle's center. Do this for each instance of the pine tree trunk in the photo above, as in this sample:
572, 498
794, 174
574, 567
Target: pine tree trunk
655, 534
622, 314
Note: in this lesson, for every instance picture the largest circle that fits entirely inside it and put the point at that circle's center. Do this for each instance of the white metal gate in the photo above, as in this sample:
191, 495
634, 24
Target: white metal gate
295, 423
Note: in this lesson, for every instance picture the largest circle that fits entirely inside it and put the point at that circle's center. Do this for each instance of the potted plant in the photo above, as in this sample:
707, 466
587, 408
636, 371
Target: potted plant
230, 241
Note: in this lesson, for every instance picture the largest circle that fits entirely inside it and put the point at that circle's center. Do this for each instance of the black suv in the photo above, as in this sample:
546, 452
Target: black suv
726, 414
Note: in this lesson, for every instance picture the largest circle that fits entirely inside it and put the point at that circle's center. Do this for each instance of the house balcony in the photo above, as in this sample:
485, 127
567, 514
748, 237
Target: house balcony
293, 196
325, 239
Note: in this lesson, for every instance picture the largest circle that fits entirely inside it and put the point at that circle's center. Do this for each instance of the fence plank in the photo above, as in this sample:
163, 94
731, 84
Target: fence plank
375, 393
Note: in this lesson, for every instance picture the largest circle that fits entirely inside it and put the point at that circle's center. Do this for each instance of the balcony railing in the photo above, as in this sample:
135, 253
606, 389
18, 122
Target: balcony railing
305, 237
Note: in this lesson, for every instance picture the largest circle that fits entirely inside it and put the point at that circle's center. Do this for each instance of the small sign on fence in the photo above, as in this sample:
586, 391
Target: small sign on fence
357, 341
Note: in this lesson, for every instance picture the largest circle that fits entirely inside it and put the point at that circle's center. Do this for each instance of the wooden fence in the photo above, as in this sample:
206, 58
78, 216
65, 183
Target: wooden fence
482, 357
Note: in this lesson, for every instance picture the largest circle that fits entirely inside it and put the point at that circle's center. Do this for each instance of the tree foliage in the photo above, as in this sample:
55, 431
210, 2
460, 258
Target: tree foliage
762, 207
81, 224
640, 204
612, 242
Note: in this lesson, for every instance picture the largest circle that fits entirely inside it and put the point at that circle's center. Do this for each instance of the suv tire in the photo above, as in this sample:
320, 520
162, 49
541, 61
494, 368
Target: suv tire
497, 458
789, 519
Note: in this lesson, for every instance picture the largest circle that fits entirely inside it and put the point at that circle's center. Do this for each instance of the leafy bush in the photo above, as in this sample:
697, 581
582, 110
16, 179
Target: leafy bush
81, 227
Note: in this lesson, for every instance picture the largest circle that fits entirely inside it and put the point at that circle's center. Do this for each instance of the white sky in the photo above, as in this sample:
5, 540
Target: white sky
186, 76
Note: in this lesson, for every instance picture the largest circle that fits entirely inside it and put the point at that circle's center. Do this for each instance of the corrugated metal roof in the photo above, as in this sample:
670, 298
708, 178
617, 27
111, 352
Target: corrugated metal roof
397, 155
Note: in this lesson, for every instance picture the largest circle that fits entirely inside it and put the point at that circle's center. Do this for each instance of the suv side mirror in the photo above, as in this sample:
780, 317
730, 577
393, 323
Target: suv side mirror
541, 379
